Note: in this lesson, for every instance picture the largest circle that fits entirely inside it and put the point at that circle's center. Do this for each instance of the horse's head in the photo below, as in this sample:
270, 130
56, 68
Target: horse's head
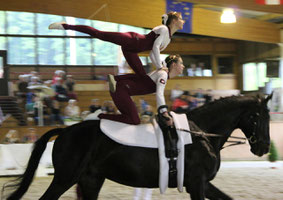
255, 125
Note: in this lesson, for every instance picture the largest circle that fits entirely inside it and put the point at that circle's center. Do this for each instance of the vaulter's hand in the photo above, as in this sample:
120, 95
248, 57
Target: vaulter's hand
169, 122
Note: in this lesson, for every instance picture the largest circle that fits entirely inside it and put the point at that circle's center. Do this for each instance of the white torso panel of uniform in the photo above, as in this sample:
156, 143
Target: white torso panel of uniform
160, 43
160, 78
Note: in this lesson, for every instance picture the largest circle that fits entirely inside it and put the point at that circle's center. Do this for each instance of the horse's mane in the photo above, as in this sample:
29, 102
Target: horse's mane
218, 105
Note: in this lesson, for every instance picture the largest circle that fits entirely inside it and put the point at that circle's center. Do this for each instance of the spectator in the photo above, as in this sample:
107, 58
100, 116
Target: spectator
146, 115
199, 95
31, 136
72, 110
61, 92
194, 70
11, 137
176, 92
180, 104
41, 110
48, 83
192, 102
148, 111
143, 105
30, 100
55, 113
34, 80
22, 86
70, 82
58, 74
208, 96
35, 74
108, 107
48, 94
145, 119
95, 105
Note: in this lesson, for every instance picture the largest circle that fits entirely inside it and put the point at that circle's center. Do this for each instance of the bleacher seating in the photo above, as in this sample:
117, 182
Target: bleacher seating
9, 105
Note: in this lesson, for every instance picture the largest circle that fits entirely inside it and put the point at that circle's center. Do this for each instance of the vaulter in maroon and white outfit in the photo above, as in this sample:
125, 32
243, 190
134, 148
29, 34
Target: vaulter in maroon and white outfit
133, 43
139, 83
129, 85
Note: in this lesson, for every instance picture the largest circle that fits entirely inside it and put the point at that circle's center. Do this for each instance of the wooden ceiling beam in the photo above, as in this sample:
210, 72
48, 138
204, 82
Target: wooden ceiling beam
142, 13
206, 22
269, 17
241, 4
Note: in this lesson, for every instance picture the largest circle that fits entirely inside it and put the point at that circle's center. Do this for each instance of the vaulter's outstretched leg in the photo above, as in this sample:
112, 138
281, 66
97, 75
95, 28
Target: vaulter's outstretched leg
130, 42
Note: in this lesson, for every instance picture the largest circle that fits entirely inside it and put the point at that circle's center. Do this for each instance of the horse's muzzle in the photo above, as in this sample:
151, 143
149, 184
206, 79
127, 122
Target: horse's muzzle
260, 148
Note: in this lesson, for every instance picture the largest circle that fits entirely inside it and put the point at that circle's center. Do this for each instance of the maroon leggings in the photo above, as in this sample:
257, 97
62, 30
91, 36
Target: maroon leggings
127, 86
131, 43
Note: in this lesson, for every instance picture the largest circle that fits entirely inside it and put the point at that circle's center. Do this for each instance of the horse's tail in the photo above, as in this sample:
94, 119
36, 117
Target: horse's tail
23, 182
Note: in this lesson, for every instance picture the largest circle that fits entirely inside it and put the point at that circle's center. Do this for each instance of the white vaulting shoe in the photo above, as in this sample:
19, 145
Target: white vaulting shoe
112, 83
57, 25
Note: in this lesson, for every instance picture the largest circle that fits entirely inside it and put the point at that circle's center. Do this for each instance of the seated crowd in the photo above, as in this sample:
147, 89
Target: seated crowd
184, 101
47, 96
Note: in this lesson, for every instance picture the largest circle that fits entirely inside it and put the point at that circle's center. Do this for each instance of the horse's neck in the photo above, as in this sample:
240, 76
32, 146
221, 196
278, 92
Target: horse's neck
222, 122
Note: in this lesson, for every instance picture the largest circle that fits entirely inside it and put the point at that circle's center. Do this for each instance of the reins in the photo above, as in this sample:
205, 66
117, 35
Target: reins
217, 135
235, 142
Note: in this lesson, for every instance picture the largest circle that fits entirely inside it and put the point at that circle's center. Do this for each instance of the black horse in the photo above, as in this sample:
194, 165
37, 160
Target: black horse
83, 154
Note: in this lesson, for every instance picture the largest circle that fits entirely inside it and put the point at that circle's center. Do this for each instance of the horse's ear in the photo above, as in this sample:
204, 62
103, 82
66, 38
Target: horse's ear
268, 98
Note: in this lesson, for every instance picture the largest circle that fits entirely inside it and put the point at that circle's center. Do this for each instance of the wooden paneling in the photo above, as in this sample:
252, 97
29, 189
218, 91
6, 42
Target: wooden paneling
193, 83
16, 71
80, 73
207, 22
253, 51
143, 13
189, 47
226, 47
47, 73
225, 83
199, 46
91, 87
241, 4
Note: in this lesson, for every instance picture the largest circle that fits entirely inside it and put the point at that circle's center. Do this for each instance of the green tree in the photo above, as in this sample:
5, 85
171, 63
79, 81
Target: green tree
50, 50
273, 154
2, 22
106, 53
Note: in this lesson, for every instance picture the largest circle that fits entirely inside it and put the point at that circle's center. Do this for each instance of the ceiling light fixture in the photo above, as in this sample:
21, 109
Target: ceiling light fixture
228, 16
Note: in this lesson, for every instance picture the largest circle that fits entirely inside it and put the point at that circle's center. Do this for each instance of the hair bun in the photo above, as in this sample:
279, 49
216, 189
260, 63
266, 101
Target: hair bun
164, 18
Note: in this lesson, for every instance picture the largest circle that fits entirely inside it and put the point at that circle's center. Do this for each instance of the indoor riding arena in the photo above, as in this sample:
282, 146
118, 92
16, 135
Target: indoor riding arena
141, 100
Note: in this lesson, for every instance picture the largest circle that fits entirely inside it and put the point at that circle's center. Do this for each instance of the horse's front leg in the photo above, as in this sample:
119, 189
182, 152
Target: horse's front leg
196, 187
213, 193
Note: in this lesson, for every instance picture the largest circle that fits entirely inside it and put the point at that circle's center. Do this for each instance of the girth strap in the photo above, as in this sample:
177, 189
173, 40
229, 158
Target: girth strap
170, 138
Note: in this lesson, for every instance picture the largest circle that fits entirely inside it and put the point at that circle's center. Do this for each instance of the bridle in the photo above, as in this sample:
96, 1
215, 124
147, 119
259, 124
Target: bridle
200, 133
253, 139
242, 140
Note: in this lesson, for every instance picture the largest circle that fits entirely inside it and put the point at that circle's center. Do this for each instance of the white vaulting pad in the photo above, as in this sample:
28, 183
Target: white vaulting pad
132, 135
142, 135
